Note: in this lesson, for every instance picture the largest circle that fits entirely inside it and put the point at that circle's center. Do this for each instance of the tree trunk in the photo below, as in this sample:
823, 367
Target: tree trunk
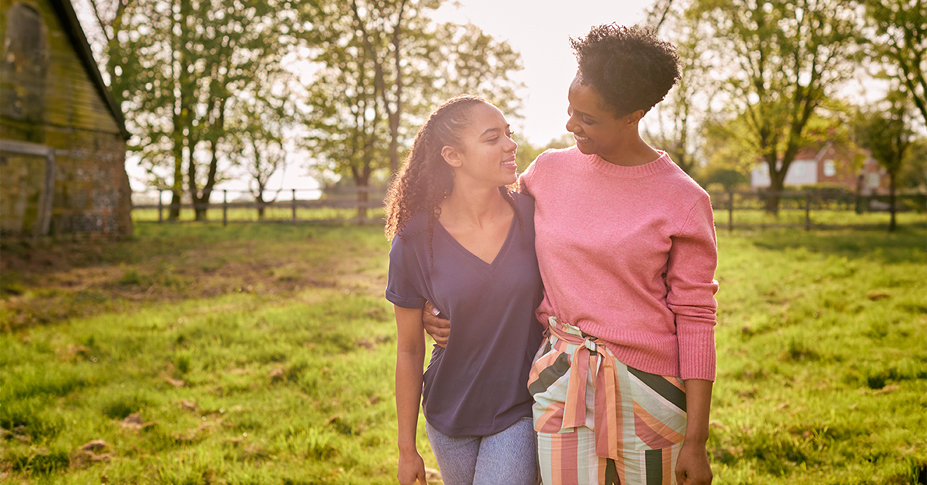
174, 213
363, 195
891, 201
177, 185
201, 206
776, 186
860, 179
394, 144
260, 206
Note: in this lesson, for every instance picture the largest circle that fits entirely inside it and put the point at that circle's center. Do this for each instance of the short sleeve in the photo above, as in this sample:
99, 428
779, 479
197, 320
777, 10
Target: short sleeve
404, 273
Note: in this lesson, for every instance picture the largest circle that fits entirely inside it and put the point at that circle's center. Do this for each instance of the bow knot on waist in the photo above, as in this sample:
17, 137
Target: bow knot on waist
591, 353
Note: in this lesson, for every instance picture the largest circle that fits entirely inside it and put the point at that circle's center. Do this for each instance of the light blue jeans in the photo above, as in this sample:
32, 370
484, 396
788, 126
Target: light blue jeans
509, 456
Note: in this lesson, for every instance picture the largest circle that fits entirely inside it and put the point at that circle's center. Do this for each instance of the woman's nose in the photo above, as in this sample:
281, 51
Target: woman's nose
570, 125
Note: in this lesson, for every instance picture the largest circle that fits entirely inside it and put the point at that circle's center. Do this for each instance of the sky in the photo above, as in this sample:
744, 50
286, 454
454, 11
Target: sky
540, 31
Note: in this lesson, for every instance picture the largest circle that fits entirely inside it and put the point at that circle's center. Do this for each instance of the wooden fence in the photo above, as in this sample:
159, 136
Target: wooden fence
815, 210
733, 210
302, 206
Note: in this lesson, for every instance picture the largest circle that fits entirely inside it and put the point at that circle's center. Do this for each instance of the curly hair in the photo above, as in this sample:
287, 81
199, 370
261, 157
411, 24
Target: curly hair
425, 179
629, 67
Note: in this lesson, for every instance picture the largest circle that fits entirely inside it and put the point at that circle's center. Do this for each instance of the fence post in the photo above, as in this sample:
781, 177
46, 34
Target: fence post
730, 211
293, 204
225, 208
160, 205
808, 211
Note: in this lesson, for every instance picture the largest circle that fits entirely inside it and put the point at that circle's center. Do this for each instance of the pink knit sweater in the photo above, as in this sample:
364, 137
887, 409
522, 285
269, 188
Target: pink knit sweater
628, 254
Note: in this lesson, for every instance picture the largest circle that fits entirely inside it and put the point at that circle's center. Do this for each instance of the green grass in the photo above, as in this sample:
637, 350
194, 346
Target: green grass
822, 364
264, 354
795, 217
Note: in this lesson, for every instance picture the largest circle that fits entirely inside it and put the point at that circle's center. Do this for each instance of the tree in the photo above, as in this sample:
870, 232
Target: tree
345, 124
885, 130
675, 123
381, 66
786, 58
257, 133
176, 65
914, 167
900, 44
472, 59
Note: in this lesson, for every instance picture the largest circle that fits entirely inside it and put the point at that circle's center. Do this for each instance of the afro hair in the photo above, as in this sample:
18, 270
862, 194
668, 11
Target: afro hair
629, 67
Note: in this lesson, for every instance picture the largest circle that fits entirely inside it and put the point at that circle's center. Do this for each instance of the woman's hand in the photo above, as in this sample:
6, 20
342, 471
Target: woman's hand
438, 328
411, 468
692, 466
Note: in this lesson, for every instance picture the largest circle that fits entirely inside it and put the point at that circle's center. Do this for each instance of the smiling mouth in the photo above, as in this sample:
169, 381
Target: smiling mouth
580, 138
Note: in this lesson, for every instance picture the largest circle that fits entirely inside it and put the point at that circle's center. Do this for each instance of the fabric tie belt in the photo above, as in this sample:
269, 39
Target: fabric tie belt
591, 352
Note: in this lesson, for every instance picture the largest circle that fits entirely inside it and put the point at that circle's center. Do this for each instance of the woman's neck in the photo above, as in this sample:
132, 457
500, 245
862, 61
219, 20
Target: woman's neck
473, 206
632, 151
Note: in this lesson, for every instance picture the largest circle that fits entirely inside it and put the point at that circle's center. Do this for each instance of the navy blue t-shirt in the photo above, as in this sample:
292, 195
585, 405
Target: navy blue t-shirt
478, 384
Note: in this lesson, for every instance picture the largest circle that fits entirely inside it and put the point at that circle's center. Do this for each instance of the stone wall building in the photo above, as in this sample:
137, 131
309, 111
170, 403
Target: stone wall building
62, 136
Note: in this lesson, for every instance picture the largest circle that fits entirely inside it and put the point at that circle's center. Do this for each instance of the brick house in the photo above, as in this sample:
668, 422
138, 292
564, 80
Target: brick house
830, 163
62, 136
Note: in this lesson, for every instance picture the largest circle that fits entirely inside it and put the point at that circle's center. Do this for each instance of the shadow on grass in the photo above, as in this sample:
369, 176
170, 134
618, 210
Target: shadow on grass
906, 245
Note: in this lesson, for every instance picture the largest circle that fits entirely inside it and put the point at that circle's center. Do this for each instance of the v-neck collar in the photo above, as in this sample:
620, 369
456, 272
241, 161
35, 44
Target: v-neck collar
479, 261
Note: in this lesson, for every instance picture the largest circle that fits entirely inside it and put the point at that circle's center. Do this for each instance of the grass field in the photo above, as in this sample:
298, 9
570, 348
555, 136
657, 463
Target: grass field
260, 354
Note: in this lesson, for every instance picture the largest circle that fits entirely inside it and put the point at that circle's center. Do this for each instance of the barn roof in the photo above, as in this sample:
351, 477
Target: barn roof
71, 25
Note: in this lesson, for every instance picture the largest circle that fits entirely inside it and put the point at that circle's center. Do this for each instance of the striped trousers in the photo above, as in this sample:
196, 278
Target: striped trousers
600, 421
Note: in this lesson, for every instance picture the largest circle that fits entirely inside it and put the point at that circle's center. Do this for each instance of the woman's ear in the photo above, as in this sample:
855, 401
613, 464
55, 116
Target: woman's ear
451, 156
635, 116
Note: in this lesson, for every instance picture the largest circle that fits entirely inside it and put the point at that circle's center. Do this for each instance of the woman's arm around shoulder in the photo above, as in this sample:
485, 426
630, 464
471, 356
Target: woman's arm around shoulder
410, 358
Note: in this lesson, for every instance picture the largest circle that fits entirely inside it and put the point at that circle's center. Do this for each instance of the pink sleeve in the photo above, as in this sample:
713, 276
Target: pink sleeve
691, 290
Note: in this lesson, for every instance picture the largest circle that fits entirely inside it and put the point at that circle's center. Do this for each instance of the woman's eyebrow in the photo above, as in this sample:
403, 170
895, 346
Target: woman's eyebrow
583, 113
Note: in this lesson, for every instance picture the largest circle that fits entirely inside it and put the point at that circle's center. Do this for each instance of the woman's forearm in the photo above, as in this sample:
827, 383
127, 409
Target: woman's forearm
410, 358
698, 407
408, 397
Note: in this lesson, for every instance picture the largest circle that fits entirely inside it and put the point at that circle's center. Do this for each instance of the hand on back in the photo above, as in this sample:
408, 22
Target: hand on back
438, 328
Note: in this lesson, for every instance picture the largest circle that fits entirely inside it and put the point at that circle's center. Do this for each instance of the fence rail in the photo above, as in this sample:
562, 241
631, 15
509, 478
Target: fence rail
814, 210
338, 207
733, 210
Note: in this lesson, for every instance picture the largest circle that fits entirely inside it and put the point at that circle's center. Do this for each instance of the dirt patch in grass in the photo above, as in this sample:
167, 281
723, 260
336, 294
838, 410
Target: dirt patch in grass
50, 281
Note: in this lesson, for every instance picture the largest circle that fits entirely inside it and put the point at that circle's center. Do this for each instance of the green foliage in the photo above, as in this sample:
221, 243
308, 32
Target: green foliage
899, 45
194, 77
787, 58
727, 178
383, 68
887, 132
822, 376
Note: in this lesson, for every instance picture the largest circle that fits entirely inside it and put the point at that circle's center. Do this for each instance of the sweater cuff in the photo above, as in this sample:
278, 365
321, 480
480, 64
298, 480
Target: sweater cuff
697, 358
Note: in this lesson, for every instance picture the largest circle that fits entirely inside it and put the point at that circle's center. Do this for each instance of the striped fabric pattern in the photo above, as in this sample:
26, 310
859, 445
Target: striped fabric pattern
600, 421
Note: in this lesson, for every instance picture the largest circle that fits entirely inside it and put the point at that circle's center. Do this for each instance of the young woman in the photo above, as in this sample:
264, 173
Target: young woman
627, 253
462, 241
